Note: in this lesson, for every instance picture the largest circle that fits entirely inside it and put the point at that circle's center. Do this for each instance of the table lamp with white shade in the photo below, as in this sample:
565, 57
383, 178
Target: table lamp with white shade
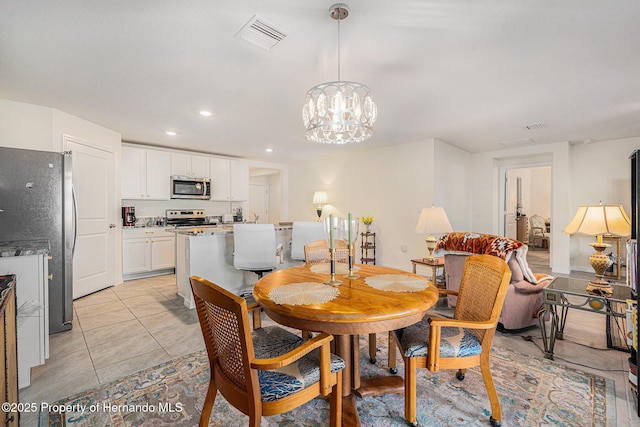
319, 199
599, 220
432, 221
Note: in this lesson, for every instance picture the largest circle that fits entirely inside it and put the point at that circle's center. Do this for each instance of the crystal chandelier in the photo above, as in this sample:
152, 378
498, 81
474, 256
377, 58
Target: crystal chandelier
339, 112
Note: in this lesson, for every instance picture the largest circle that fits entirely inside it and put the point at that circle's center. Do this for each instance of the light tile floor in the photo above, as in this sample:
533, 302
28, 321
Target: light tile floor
116, 332
141, 323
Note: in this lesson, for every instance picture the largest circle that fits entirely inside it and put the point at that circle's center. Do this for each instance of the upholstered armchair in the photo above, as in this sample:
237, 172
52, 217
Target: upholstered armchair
524, 293
538, 232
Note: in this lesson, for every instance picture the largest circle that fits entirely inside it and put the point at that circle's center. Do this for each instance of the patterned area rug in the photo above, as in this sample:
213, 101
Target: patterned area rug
532, 392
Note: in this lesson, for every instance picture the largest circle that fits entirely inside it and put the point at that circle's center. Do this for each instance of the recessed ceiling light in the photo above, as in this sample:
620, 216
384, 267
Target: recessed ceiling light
171, 133
269, 150
205, 113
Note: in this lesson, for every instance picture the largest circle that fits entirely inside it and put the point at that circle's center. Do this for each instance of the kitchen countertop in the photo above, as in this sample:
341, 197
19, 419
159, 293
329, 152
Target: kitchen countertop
24, 248
218, 229
6, 283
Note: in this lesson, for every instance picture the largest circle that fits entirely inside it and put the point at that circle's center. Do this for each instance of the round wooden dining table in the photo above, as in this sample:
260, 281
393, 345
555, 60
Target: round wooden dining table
358, 308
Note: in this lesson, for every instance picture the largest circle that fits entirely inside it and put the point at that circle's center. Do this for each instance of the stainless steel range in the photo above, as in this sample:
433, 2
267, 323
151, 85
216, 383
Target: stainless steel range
184, 218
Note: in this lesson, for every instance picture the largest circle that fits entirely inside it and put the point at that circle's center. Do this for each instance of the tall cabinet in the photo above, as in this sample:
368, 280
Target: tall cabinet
634, 360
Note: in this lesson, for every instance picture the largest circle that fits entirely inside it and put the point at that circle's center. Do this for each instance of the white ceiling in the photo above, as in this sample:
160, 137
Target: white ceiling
472, 73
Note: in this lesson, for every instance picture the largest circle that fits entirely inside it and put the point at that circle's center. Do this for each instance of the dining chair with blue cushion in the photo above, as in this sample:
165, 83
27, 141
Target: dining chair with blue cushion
267, 372
462, 342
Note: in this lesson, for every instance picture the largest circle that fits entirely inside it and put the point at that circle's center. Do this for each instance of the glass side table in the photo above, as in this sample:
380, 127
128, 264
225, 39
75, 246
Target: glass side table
555, 297
434, 264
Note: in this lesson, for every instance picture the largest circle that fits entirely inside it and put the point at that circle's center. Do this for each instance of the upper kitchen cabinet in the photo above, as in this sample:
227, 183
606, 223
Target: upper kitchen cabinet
145, 174
189, 165
229, 180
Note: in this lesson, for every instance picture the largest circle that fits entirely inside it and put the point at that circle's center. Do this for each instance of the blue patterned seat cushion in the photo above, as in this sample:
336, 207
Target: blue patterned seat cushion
454, 342
272, 341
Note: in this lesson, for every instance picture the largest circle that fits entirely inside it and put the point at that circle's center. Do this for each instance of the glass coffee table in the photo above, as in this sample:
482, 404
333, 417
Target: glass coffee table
563, 293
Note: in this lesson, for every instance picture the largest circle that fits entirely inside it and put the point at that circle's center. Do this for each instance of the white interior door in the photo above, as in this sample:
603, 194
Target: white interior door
510, 209
258, 203
93, 181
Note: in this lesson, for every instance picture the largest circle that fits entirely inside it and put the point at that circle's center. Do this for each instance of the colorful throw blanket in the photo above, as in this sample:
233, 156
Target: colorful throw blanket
477, 243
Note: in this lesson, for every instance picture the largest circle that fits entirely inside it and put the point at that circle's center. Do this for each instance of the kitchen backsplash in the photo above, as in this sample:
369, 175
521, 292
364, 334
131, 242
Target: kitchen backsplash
154, 208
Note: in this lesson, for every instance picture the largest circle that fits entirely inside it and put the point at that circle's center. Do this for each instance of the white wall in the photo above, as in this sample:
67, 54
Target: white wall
391, 183
540, 191
35, 127
410, 176
601, 172
488, 192
96, 135
26, 126
451, 181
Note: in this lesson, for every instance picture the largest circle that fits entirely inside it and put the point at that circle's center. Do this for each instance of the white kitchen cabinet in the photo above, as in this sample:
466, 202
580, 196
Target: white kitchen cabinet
158, 175
220, 179
239, 177
147, 252
163, 253
189, 165
145, 174
229, 180
134, 178
32, 299
136, 257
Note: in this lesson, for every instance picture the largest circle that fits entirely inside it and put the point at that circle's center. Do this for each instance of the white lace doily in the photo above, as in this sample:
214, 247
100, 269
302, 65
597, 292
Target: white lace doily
303, 293
325, 268
397, 283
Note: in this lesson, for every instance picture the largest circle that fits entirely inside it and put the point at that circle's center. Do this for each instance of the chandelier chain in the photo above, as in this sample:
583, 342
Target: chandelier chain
339, 45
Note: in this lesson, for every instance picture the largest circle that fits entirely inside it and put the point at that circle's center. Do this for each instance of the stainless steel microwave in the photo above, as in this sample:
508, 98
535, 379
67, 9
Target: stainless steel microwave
186, 187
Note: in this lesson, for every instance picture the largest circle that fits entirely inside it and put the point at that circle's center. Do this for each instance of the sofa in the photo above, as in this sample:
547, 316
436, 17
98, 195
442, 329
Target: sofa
524, 294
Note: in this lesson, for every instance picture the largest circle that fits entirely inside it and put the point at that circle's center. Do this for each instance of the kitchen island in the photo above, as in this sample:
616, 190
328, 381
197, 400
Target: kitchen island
208, 252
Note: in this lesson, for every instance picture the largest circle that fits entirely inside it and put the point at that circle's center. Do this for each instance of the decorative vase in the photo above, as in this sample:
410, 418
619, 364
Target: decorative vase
368, 228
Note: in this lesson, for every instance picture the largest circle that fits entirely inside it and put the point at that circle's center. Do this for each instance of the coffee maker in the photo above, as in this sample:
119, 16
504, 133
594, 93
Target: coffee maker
128, 216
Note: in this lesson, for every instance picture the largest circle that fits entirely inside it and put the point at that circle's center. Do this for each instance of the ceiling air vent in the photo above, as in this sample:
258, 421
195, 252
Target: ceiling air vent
536, 126
261, 33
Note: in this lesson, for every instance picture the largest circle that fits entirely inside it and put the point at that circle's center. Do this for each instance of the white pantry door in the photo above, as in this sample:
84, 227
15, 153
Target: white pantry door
93, 259
258, 203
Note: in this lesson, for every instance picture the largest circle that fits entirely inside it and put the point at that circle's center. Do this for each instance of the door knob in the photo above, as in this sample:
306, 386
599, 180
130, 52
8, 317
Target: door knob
112, 226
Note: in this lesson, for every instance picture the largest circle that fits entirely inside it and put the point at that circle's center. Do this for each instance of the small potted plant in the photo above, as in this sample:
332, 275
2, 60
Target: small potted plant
367, 220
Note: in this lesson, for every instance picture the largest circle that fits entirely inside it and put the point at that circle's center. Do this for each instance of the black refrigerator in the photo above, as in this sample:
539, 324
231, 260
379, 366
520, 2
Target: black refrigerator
36, 203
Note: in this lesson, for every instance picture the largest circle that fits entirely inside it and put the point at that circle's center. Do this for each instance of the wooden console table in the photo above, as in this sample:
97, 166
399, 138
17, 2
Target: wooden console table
8, 349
